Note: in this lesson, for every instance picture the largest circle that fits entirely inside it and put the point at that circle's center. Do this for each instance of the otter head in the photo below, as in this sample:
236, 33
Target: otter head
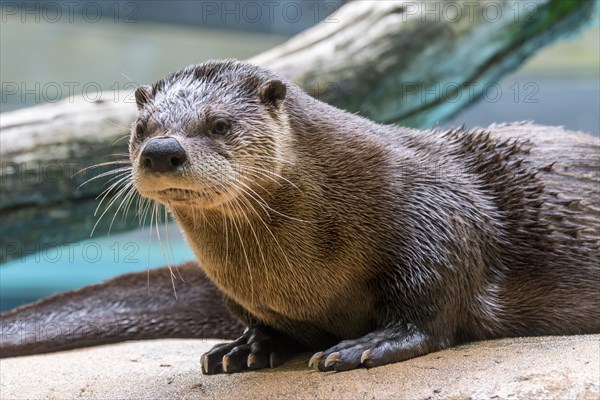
208, 134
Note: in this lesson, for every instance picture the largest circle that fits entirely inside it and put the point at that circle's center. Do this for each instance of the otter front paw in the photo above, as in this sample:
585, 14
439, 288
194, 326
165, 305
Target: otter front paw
257, 348
377, 348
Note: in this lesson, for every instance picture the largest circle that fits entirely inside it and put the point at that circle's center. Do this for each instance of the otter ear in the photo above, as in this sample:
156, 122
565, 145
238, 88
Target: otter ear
273, 92
142, 95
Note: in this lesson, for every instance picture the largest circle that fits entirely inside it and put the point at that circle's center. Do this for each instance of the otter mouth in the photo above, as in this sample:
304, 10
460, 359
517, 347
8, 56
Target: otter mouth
177, 195
174, 195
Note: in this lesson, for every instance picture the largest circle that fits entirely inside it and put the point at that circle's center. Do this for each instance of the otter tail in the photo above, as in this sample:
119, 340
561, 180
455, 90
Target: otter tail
134, 306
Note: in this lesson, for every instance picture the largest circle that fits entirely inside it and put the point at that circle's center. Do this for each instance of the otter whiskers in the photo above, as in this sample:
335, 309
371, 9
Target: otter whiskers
122, 190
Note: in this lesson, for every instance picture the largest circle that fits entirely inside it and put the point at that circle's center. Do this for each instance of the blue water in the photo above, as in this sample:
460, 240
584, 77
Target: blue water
91, 261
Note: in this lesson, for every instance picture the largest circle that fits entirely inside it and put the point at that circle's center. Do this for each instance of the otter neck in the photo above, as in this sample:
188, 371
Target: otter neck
247, 224
258, 249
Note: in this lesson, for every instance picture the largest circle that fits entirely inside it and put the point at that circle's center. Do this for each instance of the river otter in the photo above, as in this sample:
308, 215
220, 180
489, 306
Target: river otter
367, 243
370, 243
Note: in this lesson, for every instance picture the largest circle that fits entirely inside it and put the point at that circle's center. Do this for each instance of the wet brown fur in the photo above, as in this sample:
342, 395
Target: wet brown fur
465, 234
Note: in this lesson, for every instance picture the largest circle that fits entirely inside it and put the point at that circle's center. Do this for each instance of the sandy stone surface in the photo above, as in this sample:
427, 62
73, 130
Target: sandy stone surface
545, 367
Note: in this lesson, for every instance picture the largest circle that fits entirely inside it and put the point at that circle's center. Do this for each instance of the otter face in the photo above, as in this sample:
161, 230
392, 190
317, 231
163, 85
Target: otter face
208, 134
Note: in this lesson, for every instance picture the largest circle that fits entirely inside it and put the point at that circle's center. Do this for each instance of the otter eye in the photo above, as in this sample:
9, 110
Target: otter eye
220, 127
139, 131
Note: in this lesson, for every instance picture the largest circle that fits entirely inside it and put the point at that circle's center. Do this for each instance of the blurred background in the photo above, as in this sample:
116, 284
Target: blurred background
111, 46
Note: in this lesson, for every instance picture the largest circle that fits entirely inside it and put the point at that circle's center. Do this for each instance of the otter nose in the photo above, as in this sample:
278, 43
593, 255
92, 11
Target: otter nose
163, 155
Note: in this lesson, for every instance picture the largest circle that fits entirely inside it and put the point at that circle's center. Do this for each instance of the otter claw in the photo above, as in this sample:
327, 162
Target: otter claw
332, 359
365, 356
314, 360
251, 361
204, 363
225, 363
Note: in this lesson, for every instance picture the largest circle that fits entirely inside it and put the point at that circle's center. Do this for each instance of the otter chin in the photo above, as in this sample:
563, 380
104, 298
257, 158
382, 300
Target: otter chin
366, 243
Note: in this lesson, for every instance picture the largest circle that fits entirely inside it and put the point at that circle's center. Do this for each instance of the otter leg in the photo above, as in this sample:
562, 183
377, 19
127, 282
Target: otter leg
259, 347
380, 347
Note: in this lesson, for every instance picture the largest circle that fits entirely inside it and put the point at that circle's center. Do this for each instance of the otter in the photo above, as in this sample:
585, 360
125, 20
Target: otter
367, 244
